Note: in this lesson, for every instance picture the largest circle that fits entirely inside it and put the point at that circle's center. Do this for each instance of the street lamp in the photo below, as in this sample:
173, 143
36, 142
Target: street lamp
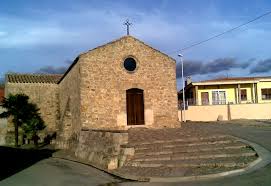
181, 57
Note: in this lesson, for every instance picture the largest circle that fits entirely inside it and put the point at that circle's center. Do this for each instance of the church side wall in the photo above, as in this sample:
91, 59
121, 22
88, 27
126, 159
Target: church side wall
104, 82
44, 95
69, 104
3, 128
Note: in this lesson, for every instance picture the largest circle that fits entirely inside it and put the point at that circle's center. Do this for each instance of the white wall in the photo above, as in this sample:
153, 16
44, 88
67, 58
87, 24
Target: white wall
235, 111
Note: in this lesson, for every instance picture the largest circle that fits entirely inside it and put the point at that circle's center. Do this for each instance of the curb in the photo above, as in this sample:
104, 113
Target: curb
112, 173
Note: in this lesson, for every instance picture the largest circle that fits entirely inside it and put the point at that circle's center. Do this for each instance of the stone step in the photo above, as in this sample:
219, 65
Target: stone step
184, 149
192, 155
184, 144
213, 162
173, 171
189, 139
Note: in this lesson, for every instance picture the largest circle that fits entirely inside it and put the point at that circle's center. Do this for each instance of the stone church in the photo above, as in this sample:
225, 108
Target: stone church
122, 84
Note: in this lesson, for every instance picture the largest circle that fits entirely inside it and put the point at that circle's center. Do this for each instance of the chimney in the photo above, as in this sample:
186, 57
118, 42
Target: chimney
188, 80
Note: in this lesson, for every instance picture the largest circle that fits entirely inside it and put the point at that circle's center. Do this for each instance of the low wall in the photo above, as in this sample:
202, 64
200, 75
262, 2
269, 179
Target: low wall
3, 128
251, 111
227, 112
103, 149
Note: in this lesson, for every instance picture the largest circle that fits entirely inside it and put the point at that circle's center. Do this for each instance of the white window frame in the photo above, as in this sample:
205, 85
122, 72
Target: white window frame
219, 102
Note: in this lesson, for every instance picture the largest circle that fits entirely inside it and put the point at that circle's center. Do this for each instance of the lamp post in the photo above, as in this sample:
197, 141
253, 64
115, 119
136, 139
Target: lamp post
181, 57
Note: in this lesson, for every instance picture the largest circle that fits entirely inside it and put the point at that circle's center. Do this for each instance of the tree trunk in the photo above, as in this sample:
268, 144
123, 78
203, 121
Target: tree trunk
16, 134
36, 139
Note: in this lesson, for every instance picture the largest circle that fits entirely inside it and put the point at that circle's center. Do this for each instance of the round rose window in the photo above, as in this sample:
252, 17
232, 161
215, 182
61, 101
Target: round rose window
129, 64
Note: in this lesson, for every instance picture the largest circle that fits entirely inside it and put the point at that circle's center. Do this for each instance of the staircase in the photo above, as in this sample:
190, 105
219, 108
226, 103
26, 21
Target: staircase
188, 156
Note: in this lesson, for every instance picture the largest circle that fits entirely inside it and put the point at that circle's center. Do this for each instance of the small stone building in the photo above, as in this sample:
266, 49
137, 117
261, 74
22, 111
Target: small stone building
122, 84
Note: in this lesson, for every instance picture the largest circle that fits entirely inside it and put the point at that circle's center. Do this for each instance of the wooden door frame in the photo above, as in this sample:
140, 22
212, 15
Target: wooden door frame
139, 110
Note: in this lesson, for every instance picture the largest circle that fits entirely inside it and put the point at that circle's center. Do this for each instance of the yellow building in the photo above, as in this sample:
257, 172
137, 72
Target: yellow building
238, 90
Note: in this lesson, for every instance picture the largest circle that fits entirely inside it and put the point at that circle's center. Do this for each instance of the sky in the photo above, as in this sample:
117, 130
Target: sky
45, 36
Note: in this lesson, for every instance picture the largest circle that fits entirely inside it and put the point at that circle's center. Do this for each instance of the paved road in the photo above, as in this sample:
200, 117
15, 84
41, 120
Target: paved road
55, 172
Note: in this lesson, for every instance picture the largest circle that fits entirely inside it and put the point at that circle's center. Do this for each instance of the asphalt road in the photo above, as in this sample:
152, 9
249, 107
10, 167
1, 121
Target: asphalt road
56, 172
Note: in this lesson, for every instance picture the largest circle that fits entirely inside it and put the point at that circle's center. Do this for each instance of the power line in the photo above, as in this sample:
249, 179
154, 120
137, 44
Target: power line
225, 32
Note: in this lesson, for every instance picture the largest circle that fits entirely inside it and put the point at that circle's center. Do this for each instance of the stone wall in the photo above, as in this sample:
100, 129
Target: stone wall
104, 82
69, 106
103, 149
42, 94
3, 128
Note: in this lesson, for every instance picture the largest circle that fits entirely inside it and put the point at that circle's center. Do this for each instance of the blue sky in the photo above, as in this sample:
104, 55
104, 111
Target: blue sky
37, 34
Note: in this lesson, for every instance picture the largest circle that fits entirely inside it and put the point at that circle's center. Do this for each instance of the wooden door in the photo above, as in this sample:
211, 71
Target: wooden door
135, 107
204, 98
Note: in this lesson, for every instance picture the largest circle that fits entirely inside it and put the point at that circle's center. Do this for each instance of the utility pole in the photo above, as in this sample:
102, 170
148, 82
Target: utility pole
184, 106
128, 24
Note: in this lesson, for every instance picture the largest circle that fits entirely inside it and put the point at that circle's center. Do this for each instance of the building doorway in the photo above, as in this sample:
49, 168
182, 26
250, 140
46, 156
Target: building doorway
204, 98
135, 106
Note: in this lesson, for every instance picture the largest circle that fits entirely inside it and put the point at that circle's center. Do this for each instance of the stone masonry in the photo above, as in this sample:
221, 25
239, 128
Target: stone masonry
3, 128
91, 96
69, 107
104, 82
44, 95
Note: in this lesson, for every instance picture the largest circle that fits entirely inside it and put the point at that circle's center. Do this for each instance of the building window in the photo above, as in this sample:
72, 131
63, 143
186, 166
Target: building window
219, 97
129, 64
266, 94
243, 95
205, 98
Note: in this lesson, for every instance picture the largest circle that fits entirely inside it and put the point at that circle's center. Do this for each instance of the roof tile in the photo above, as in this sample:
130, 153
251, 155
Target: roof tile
235, 79
34, 78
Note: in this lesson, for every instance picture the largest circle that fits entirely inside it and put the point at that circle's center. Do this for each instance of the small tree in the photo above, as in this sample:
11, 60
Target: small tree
21, 111
32, 127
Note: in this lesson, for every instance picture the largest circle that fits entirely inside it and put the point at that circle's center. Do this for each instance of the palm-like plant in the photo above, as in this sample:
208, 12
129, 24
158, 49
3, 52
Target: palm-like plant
32, 127
21, 111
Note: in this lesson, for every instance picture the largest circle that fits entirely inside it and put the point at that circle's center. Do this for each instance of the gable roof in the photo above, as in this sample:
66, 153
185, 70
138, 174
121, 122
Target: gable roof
33, 78
124, 37
233, 80
109, 43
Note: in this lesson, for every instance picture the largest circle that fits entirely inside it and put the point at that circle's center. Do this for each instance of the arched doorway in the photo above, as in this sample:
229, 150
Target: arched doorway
135, 106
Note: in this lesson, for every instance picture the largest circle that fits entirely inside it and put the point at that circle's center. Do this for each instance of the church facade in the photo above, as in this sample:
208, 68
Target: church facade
122, 84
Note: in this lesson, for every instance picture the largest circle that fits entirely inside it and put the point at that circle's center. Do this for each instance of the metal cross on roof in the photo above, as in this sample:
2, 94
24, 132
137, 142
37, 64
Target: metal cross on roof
128, 24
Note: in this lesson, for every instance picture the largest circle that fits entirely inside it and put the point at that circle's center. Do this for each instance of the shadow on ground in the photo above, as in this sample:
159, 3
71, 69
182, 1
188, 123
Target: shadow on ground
13, 160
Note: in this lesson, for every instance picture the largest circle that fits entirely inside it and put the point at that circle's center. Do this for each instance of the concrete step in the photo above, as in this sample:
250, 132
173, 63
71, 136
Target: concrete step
187, 140
195, 155
213, 162
179, 149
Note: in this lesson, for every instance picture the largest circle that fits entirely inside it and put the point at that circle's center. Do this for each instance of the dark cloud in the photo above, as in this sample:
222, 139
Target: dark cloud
261, 66
52, 70
200, 67
55, 70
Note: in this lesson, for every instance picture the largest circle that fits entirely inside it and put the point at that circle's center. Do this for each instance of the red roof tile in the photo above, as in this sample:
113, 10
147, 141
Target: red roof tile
34, 78
235, 79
